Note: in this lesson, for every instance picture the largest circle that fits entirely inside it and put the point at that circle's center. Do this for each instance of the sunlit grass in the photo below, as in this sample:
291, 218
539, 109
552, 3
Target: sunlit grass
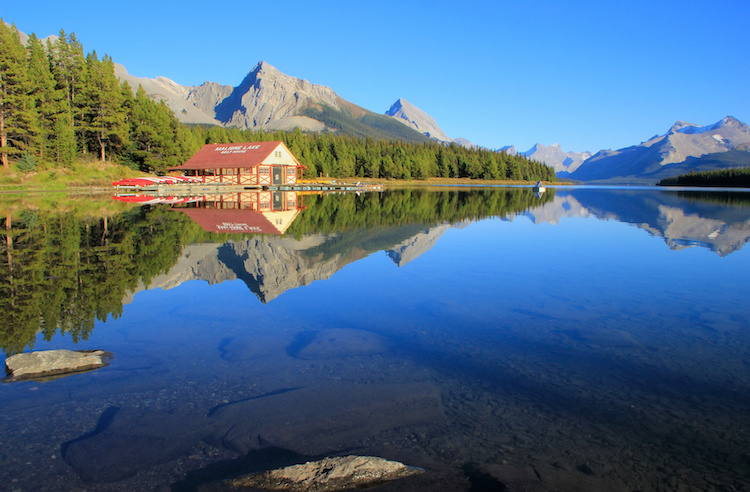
81, 174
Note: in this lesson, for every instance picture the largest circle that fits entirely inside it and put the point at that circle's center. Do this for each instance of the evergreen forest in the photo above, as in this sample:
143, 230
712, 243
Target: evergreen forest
737, 177
59, 106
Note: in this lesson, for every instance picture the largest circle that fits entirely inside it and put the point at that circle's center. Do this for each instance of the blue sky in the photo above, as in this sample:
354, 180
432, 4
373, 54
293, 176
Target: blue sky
588, 75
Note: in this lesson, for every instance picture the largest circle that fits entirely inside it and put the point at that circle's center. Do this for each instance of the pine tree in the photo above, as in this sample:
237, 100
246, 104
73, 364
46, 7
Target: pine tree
153, 134
69, 69
105, 122
48, 102
16, 107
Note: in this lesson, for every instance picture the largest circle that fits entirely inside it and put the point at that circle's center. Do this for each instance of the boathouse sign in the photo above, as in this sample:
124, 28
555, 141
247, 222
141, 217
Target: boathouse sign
236, 149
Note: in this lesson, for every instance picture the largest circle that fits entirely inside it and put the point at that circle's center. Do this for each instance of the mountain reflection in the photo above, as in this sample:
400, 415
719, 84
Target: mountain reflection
719, 221
66, 263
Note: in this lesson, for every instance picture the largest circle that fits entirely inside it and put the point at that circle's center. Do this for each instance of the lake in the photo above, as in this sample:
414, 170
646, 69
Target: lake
584, 339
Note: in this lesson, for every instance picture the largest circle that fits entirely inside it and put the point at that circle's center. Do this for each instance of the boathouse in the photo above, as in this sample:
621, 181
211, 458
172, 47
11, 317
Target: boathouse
249, 163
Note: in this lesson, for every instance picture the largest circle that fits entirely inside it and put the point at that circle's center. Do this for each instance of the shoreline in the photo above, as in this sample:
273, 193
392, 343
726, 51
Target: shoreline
387, 183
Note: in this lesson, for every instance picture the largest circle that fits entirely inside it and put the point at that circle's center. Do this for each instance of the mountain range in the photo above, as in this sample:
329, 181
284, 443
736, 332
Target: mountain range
684, 147
272, 100
269, 99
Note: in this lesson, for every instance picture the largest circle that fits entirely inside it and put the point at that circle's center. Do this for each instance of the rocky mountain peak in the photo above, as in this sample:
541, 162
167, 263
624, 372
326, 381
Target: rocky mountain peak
410, 115
731, 121
266, 94
556, 157
681, 125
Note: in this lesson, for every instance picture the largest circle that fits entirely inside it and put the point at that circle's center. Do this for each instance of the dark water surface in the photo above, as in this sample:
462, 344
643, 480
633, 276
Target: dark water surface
589, 339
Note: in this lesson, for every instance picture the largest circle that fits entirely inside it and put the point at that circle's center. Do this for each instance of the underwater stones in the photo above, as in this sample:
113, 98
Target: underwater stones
126, 441
51, 364
318, 420
328, 474
337, 342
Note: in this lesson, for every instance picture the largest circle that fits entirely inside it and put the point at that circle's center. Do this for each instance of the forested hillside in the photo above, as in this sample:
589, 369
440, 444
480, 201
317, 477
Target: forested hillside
59, 106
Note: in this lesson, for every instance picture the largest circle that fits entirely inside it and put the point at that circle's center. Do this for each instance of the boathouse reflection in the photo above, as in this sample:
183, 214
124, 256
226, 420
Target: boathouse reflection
248, 212
245, 212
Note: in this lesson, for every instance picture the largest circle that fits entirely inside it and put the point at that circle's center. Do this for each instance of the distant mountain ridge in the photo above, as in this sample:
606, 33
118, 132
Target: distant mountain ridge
554, 156
684, 147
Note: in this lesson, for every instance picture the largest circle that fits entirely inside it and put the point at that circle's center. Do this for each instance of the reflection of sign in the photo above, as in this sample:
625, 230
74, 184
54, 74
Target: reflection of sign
237, 227
235, 149
247, 212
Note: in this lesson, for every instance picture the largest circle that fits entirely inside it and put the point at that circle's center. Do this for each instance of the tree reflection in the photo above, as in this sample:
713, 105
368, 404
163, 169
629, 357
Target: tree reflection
63, 270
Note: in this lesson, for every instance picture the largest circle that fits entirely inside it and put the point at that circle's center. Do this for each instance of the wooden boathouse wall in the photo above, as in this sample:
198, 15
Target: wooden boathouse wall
243, 164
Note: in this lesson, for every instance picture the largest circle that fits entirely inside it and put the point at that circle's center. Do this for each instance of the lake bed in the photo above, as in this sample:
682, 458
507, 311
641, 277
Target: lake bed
587, 339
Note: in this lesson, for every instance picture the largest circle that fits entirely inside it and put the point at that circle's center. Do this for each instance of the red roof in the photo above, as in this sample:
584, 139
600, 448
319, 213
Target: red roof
237, 155
236, 220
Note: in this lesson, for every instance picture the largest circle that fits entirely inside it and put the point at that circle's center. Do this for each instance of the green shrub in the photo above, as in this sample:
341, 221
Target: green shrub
26, 164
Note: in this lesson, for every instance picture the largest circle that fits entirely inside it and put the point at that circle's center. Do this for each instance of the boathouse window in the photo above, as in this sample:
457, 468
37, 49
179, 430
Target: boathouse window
265, 171
277, 154
290, 171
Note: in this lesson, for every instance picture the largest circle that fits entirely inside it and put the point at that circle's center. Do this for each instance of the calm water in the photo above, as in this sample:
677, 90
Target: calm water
588, 339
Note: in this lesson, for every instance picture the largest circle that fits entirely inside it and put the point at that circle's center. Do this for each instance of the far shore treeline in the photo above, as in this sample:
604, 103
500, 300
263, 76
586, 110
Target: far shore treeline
59, 106
736, 177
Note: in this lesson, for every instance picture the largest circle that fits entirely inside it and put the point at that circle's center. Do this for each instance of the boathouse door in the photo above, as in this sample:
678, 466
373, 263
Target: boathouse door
276, 175
277, 202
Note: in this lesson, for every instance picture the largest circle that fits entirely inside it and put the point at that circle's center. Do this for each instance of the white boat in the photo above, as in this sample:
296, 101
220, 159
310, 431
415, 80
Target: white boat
539, 187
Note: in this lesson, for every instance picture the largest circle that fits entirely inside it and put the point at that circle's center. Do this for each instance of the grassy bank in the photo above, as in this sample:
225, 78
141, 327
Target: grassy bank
79, 176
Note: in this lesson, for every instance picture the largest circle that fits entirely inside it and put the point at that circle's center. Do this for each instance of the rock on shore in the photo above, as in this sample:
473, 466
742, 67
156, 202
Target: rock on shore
44, 364
329, 474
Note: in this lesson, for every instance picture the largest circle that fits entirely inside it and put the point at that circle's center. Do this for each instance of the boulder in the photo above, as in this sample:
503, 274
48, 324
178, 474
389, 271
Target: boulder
44, 365
329, 474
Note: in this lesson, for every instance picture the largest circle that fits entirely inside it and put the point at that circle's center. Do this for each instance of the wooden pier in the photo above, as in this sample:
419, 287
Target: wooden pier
215, 188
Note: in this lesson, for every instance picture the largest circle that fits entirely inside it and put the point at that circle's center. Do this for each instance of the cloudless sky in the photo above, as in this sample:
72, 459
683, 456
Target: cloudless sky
589, 75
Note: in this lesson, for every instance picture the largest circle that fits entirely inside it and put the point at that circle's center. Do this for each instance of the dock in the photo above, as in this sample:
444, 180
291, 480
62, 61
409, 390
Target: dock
216, 188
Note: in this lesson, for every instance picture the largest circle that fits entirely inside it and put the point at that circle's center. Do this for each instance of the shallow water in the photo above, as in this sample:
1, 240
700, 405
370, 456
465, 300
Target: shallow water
588, 340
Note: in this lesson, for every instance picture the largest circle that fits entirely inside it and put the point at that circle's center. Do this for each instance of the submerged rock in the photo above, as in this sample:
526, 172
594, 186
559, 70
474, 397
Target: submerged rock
338, 342
329, 474
44, 365
128, 440
319, 420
